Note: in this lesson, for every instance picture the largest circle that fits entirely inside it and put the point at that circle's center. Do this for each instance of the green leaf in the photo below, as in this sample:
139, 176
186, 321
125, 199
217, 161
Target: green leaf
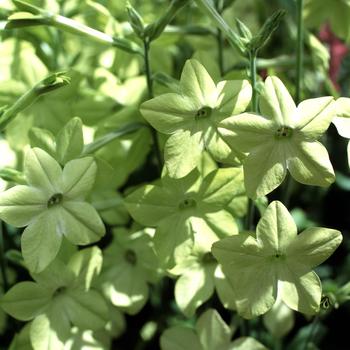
25, 300
41, 241
42, 171
70, 141
213, 332
178, 338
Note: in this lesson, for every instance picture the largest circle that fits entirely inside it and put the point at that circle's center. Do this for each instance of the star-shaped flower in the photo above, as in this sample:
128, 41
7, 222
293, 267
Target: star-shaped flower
277, 263
283, 137
192, 118
52, 205
61, 297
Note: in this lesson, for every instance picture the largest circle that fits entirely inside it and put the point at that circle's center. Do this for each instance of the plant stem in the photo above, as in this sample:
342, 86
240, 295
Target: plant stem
146, 46
312, 331
3, 259
219, 39
300, 51
252, 59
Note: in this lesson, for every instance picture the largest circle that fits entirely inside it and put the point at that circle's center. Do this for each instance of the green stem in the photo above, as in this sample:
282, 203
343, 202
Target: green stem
146, 46
312, 332
3, 259
300, 51
219, 39
252, 59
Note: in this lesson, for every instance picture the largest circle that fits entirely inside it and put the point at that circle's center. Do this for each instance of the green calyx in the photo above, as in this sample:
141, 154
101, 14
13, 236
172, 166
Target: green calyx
284, 132
130, 257
187, 203
54, 200
204, 112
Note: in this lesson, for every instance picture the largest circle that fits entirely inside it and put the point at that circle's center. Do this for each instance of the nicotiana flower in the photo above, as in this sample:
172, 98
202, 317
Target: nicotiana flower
282, 137
210, 333
179, 208
60, 298
192, 118
52, 205
277, 264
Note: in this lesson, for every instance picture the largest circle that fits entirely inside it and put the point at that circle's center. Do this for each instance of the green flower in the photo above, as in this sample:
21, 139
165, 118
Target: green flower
52, 206
210, 333
60, 298
192, 118
277, 263
129, 265
284, 137
199, 275
180, 208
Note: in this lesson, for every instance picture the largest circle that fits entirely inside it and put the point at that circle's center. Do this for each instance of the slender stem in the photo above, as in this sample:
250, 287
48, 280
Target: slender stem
146, 46
252, 59
300, 51
3, 259
312, 331
219, 40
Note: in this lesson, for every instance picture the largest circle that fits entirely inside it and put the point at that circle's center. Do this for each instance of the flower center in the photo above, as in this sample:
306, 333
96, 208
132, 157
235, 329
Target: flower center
204, 112
284, 132
54, 200
59, 291
130, 257
208, 258
187, 203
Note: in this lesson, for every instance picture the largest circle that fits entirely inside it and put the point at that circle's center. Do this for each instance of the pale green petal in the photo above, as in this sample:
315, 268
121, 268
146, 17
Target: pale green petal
252, 275
50, 331
86, 264
224, 289
173, 240
217, 189
213, 332
42, 171
246, 131
150, 204
246, 343
21, 204
234, 97
219, 149
279, 321
197, 84
193, 288
80, 223
41, 241
309, 164
182, 153
25, 300
124, 285
178, 338
79, 177
169, 113
312, 247
300, 293
313, 116
86, 310
264, 169
342, 119
276, 229
221, 223
276, 102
